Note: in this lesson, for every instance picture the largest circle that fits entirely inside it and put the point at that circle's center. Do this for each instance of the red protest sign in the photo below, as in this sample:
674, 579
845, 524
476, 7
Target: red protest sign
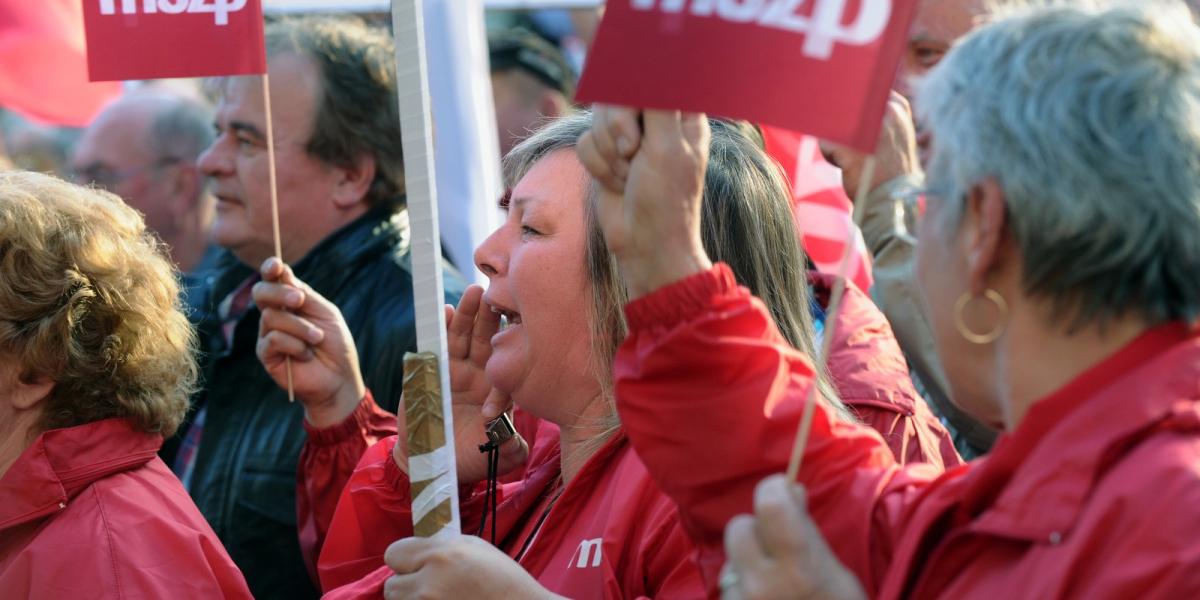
822, 67
152, 39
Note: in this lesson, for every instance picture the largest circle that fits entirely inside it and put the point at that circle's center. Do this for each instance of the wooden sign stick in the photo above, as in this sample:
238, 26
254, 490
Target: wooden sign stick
831, 317
266, 85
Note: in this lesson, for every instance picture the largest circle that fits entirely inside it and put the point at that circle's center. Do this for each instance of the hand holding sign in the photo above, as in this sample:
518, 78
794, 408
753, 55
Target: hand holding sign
895, 155
650, 207
823, 67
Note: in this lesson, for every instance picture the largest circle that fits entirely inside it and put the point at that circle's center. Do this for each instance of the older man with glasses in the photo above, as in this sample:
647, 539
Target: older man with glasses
143, 148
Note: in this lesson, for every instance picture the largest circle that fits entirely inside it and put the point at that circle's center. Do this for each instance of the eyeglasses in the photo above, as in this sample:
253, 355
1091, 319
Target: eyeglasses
102, 175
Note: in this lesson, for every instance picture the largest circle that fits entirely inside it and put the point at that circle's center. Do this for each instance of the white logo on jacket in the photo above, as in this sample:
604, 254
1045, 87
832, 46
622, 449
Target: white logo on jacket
588, 549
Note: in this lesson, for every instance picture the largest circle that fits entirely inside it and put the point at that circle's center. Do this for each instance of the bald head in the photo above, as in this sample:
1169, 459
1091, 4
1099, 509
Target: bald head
143, 147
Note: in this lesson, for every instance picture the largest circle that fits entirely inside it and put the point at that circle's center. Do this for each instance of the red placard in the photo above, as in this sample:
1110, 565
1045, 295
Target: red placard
43, 66
822, 67
153, 39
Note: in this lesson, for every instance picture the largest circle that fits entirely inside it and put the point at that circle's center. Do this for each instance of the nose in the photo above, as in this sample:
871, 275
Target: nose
491, 257
216, 160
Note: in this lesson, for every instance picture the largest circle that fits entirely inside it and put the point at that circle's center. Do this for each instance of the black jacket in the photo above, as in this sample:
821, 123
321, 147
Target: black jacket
245, 474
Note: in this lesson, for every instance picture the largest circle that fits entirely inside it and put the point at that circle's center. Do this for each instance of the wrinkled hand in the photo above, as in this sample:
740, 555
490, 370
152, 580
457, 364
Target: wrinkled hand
780, 554
895, 155
653, 182
300, 324
469, 331
461, 567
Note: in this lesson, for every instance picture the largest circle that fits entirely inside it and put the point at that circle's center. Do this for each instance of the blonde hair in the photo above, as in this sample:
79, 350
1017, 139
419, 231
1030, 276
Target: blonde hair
746, 221
88, 300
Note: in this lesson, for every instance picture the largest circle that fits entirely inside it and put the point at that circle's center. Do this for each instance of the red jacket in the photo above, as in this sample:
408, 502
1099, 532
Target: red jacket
1094, 495
871, 376
609, 534
91, 511
866, 365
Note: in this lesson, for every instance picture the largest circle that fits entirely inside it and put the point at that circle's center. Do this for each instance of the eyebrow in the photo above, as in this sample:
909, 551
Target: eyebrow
247, 128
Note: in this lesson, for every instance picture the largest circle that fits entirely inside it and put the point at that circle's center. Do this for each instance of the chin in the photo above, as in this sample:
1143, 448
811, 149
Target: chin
502, 374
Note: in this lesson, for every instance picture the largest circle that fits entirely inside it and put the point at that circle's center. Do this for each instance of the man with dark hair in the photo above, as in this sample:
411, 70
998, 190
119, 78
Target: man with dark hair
345, 232
143, 147
531, 82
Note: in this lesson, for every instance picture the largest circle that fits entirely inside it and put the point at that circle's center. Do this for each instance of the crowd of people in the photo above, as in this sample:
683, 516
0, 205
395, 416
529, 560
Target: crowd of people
1012, 408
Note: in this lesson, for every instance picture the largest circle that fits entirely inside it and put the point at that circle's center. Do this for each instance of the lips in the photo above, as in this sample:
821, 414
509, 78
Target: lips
224, 198
512, 318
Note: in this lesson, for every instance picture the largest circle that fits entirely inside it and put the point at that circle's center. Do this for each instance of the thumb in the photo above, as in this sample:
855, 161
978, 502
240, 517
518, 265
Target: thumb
497, 402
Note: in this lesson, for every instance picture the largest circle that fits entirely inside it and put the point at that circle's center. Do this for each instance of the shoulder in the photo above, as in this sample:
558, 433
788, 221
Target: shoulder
142, 535
1148, 500
1137, 535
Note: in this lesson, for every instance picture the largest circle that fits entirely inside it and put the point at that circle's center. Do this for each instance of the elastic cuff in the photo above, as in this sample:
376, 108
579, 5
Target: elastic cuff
355, 423
681, 300
393, 477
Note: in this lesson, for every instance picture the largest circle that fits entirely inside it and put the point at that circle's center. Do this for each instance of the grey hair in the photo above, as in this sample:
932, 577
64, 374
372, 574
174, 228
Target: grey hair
182, 130
746, 221
1088, 117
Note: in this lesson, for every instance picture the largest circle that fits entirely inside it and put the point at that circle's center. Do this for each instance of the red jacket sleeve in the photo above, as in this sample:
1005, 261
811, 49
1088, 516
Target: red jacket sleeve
711, 396
326, 463
375, 510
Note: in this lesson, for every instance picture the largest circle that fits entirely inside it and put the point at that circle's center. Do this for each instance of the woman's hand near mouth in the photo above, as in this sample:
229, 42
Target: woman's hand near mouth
469, 330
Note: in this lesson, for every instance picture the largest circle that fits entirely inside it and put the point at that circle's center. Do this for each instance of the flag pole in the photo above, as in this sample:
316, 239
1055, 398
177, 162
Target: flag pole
431, 461
266, 89
831, 317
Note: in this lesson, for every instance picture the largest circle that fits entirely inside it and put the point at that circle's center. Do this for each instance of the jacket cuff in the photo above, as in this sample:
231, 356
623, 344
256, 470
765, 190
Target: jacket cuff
680, 301
353, 425
393, 477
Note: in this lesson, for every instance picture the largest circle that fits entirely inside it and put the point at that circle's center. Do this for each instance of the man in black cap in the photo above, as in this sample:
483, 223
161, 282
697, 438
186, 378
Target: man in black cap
531, 82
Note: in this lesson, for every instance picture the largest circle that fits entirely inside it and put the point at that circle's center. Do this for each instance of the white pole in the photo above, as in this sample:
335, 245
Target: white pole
432, 473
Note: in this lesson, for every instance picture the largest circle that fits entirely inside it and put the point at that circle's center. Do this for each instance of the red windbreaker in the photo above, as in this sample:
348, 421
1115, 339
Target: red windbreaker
91, 511
608, 534
871, 376
866, 365
1094, 495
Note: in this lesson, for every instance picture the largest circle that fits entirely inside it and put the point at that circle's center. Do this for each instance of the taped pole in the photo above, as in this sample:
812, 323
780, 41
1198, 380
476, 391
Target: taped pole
266, 85
431, 461
831, 317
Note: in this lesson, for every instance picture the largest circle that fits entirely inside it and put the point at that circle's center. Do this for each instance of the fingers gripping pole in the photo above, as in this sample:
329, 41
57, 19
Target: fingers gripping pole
266, 84
427, 375
831, 319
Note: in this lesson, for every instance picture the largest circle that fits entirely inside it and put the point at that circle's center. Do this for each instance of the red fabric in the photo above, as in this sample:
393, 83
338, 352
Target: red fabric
135, 40
91, 511
330, 456
611, 534
871, 376
43, 63
1093, 496
326, 462
822, 210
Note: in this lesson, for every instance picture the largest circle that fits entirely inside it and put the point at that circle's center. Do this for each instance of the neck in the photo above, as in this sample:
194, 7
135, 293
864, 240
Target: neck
581, 437
188, 248
1036, 360
16, 435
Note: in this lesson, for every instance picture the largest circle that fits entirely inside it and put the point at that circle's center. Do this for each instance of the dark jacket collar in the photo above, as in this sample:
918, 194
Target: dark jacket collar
327, 265
62, 462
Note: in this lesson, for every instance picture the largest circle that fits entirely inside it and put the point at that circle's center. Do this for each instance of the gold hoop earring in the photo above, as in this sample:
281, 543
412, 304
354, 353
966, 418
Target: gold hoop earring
980, 338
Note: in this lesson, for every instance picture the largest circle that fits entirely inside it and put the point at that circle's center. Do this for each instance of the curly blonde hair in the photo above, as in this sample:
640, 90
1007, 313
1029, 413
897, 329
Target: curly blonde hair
88, 300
